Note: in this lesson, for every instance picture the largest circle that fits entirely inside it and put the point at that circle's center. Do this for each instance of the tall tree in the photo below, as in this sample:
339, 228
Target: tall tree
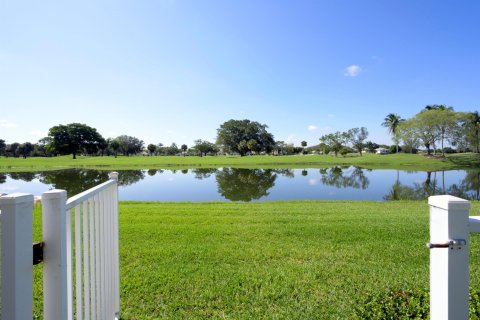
2, 147
335, 141
25, 149
44, 147
304, 145
357, 137
74, 138
471, 125
445, 120
409, 136
423, 128
115, 146
151, 148
129, 145
371, 146
184, 148
234, 135
391, 122
204, 147
172, 150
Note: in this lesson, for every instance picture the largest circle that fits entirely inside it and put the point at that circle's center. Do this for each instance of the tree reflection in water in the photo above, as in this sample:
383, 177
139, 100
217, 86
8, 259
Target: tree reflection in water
203, 173
468, 188
79, 180
3, 178
339, 178
25, 176
251, 184
245, 184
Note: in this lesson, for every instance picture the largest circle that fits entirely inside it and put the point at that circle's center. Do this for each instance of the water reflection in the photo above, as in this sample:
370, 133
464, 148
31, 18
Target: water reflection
245, 184
234, 184
203, 173
75, 180
434, 184
341, 178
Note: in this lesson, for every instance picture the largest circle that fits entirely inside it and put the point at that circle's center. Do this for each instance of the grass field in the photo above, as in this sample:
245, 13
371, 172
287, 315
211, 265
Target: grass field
372, 161
270, 260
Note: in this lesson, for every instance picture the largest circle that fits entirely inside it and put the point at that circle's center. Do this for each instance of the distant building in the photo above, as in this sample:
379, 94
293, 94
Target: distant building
381, 151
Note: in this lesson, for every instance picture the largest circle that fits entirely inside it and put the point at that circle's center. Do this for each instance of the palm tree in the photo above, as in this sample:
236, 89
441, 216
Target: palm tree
391, 122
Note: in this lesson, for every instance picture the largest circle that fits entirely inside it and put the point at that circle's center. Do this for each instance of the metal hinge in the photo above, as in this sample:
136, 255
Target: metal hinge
37, 252
452, 244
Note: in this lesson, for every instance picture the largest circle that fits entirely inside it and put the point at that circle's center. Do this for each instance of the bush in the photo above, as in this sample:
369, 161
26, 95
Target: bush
409, 149
449, 150
405, 304
393, 149
344, 151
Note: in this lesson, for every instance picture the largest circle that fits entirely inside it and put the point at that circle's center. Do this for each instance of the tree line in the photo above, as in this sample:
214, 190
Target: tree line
433, 127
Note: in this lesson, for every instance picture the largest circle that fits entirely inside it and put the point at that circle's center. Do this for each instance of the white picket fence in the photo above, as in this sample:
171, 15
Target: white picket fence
80, 254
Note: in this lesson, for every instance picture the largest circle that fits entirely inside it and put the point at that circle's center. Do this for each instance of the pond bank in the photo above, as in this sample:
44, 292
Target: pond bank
370, 161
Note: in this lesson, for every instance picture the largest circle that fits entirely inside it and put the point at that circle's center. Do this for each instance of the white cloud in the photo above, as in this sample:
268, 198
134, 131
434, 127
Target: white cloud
7, 124
330, 115
352, 71
312, 127
169, 131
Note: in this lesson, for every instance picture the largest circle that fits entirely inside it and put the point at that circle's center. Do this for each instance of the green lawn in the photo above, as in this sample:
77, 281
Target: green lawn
394, 161
272, 260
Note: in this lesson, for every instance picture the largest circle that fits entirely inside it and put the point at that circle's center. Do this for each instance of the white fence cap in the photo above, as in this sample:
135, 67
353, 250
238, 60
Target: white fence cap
13, 198
448, 202
53, 194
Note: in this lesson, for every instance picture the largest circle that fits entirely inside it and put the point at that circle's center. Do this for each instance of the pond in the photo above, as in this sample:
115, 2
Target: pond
233, 184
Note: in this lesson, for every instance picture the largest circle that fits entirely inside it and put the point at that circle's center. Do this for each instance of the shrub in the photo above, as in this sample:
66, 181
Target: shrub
409, 149
344, 151
393, 149
405, 304
449, 150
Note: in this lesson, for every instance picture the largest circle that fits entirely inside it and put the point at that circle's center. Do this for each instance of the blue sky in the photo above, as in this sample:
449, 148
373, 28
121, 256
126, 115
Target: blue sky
173, 71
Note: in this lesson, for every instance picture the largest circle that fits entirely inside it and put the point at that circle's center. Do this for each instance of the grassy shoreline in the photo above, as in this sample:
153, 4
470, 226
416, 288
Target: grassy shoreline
370, 161
276, 260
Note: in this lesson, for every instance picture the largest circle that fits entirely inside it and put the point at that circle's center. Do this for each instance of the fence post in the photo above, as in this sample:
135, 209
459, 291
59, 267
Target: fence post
17, 255
57, 292
114, 176
449, 238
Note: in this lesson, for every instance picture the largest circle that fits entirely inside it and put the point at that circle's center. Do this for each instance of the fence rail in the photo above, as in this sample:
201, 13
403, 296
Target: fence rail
80, 254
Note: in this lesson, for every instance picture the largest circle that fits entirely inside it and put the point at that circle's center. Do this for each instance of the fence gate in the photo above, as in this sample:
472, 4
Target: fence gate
79, 250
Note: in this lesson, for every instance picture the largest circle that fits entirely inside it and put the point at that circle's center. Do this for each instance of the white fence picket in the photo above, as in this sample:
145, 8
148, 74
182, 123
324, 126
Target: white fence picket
78, 264
86, 261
